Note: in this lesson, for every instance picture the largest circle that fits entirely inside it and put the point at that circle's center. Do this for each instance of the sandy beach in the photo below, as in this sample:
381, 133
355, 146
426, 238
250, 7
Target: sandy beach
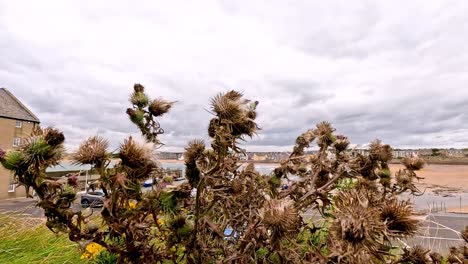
441, 178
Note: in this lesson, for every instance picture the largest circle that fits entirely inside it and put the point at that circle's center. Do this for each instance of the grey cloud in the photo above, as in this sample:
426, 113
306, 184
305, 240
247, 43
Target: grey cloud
373, 70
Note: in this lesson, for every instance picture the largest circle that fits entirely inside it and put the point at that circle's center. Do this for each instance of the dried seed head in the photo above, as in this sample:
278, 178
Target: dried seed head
341, 143
380, 152
225, 107
233, 95
403, 179
135, 155
138, 88
193, 151
413, 163
53, 137
159, 107
212, 127
397, 216
357, 225
252, 114
281, 215
324, 134
386, 153
415, 255
244, 127
92, 151
436, 258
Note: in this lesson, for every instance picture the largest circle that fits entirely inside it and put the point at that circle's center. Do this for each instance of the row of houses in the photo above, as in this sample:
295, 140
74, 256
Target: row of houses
278, 156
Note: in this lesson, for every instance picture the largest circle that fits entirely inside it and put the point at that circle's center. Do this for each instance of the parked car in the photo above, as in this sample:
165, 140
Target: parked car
147, 183
92, 199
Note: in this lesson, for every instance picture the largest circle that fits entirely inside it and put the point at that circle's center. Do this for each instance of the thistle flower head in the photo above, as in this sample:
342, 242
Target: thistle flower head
416, 255
134, 154
357, 225
159, 107
403, 179
138, 88
212, 127
397, 216
233, 95
413, 163
53, 137
194, 149
341, 143
226, 106
436, 258
136, 116
72, 180
280, 215
92, 151
139, 99
324, 134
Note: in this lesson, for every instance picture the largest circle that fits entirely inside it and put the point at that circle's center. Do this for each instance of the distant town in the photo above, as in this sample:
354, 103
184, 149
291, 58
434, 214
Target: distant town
429, 154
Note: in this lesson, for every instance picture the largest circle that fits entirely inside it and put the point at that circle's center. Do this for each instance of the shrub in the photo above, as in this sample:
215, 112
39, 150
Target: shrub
237, 214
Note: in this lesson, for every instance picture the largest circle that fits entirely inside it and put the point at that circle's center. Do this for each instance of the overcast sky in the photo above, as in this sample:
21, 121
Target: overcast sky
396, 70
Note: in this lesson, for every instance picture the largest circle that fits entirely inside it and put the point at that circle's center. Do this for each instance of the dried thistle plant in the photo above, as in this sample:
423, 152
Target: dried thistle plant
228, 212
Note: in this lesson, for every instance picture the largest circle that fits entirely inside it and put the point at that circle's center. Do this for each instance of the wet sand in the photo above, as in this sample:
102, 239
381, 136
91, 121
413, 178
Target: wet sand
441, 178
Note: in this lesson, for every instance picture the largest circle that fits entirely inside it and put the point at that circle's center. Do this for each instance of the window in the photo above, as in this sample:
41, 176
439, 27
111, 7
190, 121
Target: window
19, 124
16, 142
11, 184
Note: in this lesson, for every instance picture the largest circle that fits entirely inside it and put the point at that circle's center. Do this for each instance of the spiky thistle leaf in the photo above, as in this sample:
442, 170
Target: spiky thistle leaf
13, 160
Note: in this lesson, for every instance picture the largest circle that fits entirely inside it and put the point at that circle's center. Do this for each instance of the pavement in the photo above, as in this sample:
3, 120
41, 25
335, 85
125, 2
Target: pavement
25, 206
440, 231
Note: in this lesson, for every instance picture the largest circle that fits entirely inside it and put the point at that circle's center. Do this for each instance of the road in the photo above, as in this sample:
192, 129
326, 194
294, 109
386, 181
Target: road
24, 206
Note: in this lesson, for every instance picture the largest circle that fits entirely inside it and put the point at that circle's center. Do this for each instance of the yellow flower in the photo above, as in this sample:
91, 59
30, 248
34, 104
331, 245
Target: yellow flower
91, 251
160, 221
132, 204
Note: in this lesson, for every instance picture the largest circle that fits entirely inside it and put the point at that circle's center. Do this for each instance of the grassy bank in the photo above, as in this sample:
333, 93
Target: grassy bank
28, 240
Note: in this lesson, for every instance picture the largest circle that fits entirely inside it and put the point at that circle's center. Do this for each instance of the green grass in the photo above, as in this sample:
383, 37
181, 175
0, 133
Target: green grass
28, 240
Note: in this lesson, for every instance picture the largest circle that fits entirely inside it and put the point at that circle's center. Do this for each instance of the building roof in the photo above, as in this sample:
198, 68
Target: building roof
11, 107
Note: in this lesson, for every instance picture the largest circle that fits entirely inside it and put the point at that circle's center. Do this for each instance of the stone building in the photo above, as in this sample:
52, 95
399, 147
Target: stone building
16, 123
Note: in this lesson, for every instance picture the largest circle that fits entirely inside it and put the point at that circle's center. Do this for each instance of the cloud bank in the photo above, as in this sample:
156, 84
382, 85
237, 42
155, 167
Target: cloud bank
396, 71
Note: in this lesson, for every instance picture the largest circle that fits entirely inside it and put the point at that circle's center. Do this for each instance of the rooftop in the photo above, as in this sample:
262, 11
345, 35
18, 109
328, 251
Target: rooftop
11, 107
